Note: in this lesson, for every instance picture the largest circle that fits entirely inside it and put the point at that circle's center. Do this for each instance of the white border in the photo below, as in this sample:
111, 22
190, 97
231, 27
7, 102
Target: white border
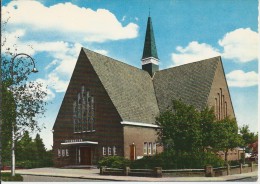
139, 124
150, 60
83, 142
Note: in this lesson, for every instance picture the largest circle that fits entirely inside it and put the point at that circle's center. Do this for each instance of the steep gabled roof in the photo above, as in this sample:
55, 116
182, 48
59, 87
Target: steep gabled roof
149, 44
130, 89
190, 82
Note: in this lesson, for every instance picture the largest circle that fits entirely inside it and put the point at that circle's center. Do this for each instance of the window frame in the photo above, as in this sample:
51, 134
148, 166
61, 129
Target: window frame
104, 150
109, 150
154, 148
145, 148
149, 148
59, 152
114, 150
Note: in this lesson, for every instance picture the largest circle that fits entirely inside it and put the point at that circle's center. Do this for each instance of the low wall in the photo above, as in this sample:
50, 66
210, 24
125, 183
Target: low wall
208, 171
238, 169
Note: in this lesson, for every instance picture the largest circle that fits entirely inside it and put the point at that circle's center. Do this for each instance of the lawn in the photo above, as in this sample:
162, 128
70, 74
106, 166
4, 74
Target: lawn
6, 176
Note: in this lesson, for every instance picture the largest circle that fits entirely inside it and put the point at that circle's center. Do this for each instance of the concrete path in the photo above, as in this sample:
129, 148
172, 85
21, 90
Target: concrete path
94, 174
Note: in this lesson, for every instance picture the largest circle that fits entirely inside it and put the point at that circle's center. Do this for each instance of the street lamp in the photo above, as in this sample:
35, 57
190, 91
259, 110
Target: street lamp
34, 70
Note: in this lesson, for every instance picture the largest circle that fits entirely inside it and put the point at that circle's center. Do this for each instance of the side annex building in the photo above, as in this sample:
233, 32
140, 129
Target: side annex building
109, 107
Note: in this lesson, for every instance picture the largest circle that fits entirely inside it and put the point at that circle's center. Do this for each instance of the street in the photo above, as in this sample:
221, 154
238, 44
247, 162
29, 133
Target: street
249, 179
31, 178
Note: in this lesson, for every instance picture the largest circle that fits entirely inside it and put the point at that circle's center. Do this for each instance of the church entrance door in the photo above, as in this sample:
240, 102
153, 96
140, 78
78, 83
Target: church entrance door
85, 156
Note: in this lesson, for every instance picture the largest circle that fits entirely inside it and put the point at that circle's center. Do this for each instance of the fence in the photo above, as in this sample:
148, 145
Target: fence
127, 171
208, 171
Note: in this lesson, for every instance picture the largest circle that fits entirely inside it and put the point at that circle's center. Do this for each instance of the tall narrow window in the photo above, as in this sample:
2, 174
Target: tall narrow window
114, 150
216, 107
219, 105
63, 152
67, 152
154, 148
89, 113
150, 148
75, 115
226, 109
109, 151
145, 148
87, 109
223, 107
79, 118
104, 151
59, 153
92, 111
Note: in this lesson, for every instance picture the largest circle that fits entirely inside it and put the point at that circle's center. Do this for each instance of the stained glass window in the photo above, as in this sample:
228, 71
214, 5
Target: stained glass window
83, 111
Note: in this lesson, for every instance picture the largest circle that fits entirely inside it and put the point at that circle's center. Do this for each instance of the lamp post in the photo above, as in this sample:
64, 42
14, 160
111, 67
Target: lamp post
34, 70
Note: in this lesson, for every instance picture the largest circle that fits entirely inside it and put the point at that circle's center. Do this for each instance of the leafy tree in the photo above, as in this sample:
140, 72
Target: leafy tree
247, 136
187, 131
40, 148
207, 118
28, 98
180, 128
25, 148
225, 135
9, 116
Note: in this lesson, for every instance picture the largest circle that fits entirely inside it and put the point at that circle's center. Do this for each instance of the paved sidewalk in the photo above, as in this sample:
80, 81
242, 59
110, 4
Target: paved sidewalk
94, 174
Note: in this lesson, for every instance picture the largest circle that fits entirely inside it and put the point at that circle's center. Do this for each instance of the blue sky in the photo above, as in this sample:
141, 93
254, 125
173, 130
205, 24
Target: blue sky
53, 31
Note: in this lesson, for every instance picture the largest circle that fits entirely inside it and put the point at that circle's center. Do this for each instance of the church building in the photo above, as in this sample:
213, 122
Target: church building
110, 107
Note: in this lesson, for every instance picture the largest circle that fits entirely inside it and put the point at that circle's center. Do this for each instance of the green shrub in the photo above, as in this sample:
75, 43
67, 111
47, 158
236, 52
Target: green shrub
29, 164
114, 162
234, 162
6, 176
170, 160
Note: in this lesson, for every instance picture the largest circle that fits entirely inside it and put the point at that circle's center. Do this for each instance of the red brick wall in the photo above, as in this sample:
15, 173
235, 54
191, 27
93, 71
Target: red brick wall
138, 135
108, 130
219, 82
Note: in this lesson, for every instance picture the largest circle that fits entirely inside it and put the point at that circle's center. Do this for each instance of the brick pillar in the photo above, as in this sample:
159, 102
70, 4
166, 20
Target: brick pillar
157, 172
102, 170
228, 169
209, 171
126, 171
241, 168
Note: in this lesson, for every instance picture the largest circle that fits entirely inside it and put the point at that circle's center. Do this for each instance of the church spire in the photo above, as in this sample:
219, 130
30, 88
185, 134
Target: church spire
150, 57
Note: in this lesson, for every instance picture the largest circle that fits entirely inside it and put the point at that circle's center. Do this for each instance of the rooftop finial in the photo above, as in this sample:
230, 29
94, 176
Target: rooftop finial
149, 11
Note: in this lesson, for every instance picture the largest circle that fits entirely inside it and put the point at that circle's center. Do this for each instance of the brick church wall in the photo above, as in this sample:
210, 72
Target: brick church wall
108, 130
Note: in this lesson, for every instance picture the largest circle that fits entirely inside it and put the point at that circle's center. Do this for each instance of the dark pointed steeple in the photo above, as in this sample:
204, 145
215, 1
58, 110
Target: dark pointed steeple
149, 44
150, 57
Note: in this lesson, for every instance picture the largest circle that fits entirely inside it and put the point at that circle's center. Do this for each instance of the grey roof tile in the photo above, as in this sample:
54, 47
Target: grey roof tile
190, 82
130, 89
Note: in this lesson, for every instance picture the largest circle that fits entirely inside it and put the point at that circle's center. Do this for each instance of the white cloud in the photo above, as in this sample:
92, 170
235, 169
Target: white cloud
239, 78
240, 44
11, 42
100, 51
62, 66
74, 23
193, 52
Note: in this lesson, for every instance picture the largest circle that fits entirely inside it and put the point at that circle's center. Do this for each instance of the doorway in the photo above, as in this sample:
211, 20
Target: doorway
85, 156
132, 151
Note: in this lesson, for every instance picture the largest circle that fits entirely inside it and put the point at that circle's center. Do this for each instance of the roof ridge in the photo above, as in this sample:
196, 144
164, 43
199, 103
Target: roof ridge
195, 62
113, 59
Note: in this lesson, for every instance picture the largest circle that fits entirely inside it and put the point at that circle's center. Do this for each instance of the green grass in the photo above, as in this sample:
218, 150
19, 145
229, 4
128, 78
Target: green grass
6, 176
